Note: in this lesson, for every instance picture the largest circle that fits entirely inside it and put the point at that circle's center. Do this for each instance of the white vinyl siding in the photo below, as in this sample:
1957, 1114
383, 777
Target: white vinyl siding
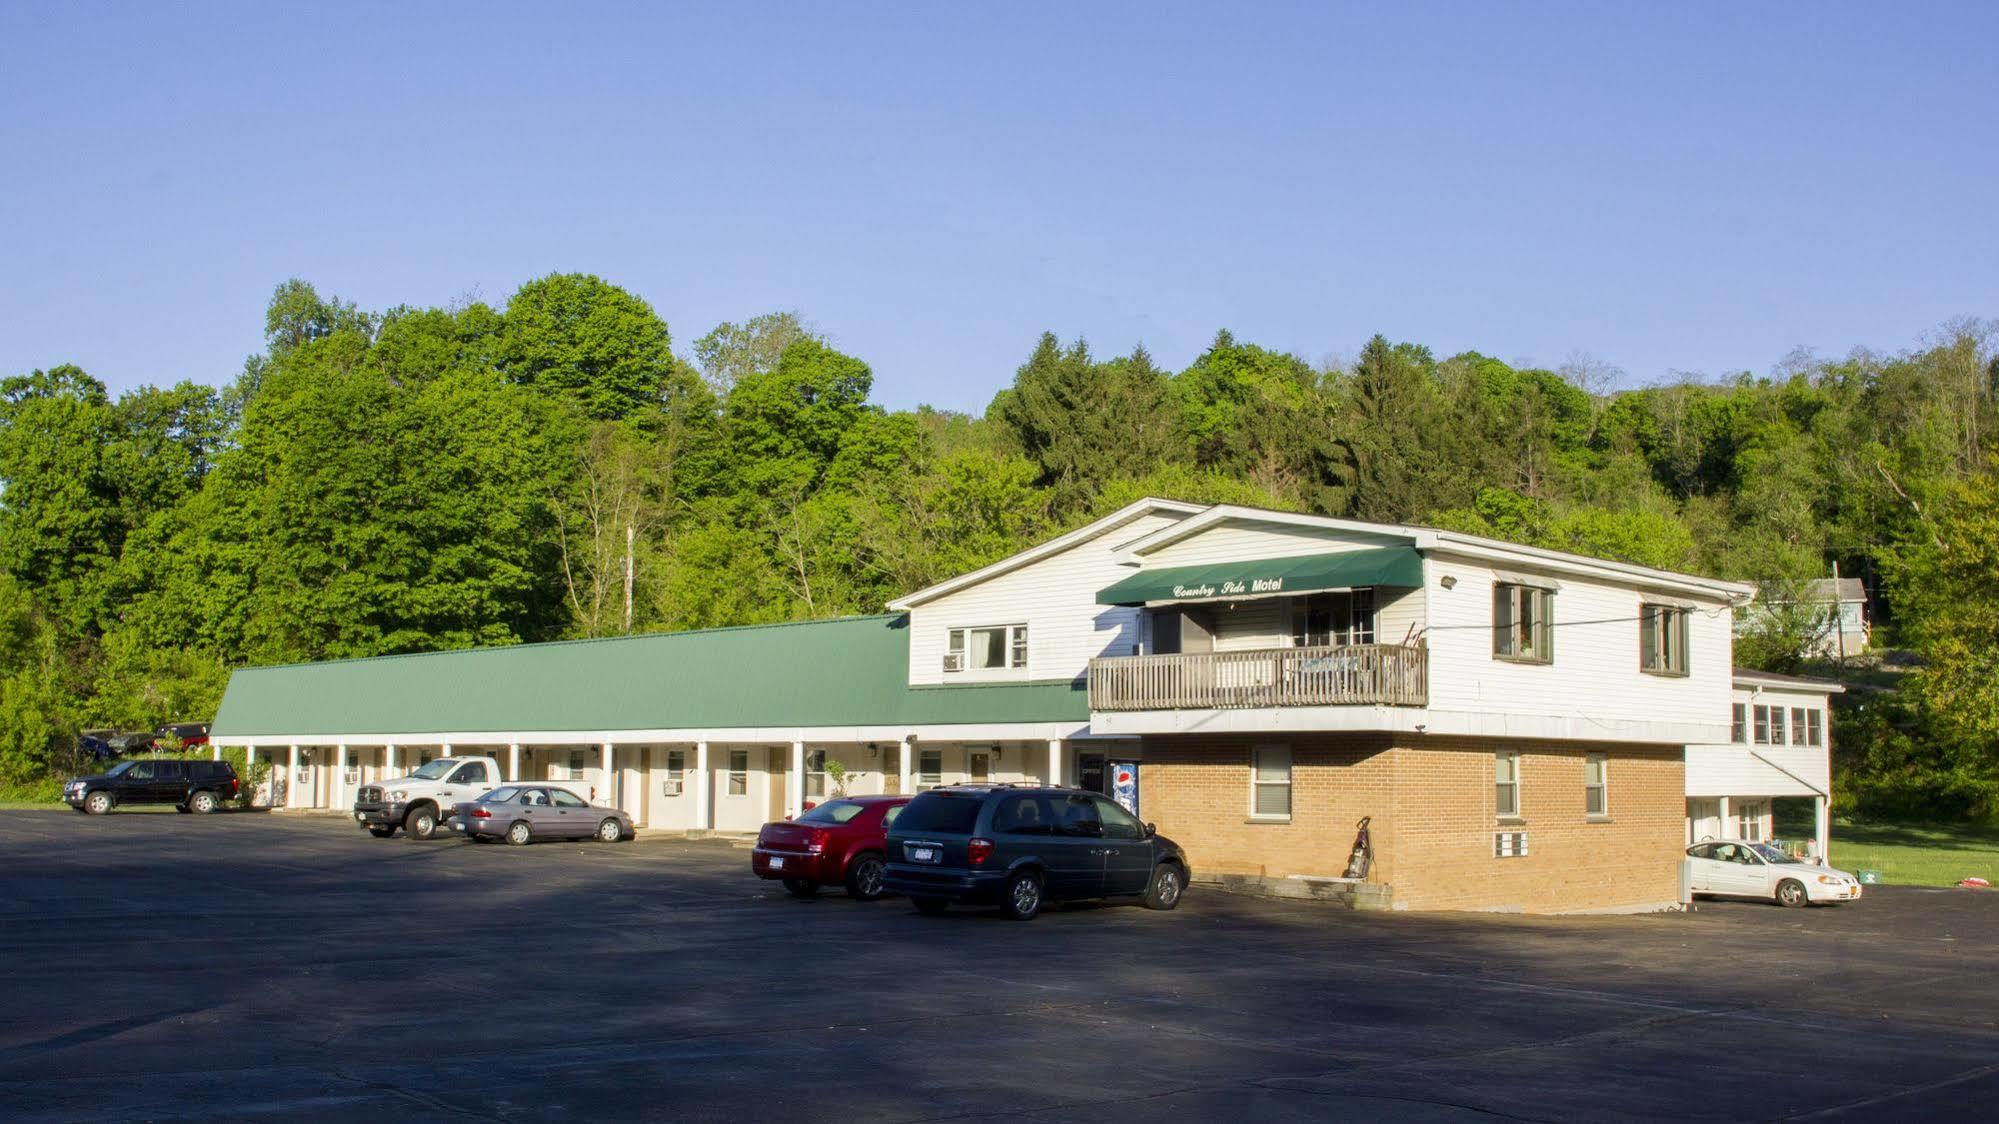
1593, 680
1753, 768
1056, 598
1235, 540
1270, 782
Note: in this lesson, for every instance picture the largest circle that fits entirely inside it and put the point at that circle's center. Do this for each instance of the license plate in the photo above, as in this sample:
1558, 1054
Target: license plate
923, 854
776, 863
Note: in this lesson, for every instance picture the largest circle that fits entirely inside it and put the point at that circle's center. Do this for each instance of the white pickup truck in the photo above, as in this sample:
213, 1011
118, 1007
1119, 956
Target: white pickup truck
419, 802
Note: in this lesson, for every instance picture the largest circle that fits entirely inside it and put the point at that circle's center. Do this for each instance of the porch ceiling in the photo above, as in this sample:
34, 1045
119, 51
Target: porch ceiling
1267, 577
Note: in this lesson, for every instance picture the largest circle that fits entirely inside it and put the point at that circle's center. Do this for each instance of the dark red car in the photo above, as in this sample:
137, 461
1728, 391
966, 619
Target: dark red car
840, 841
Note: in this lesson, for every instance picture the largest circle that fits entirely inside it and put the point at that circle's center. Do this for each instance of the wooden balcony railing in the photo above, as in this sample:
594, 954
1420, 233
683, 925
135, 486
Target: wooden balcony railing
1353, 675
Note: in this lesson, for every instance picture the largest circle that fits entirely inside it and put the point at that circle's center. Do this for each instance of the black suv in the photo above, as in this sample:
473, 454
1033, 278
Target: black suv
190, 786
1021, 846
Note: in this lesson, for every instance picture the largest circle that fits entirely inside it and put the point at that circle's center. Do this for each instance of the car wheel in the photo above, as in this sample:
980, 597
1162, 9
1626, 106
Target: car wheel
864, 877
201, 803
931, 906
519, 833
800, 887
1791, 893
1023, 896
422, 823
610, 831
97, 803
381, 831
1168, 880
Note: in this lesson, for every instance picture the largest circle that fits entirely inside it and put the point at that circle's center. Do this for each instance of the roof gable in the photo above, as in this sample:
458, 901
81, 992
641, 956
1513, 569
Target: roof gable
1119, 518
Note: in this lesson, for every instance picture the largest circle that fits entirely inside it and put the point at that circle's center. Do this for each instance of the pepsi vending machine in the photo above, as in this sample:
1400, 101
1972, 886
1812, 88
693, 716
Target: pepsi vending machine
1124, 784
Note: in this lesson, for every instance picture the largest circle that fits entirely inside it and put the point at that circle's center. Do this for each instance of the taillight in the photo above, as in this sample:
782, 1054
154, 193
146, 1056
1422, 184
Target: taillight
815, 842
979, 850
481, 814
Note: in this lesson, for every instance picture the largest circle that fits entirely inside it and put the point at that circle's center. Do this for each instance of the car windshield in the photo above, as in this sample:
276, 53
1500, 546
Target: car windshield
940, 812
1773, 854
500, 796
837, 811
432, 770
120, 769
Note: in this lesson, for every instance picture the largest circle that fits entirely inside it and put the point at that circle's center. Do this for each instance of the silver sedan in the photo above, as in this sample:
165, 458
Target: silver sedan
523, 813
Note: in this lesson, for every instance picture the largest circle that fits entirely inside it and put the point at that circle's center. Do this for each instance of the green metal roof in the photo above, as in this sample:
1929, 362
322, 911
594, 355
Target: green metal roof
847, 672
1352, 569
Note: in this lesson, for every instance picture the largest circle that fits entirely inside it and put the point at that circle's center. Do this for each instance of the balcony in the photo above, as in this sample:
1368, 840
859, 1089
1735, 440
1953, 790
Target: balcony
1353, 675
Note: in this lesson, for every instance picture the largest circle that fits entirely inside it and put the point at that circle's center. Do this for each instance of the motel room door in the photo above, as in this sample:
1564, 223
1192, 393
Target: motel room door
1703, 819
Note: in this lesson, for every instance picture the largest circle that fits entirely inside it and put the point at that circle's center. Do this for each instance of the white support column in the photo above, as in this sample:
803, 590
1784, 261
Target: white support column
339, 781
1727, 821
444, 749
1055, 774
610, 794
217, 747
908, 765
513, 761
389, 761
291, 780
1822, 813
704, 783
794, 788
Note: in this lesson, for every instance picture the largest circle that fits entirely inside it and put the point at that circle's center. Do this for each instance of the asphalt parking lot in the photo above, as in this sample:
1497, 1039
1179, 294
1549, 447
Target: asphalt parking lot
163, 966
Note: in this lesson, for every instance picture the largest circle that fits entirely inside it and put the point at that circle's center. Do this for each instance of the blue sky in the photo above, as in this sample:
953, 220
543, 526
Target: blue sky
1668, 188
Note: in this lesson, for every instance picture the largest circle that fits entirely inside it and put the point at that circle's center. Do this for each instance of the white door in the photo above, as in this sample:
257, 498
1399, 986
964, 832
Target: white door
1703, 819
1739, 871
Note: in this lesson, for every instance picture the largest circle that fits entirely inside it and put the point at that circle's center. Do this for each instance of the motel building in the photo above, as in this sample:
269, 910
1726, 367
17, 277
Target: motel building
1521, 728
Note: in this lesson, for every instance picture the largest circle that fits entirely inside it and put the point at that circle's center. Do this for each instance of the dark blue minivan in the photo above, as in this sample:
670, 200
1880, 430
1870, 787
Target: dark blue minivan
1020, 847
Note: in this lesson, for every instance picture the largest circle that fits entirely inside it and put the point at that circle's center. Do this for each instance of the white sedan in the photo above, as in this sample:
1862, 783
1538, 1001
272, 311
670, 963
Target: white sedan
1758, 870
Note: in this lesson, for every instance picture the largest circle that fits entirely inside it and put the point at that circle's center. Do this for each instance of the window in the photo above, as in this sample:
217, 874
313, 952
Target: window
564, 798
1523, 623
1325, 619
475, 773
1023, 815
1596, 794
676, 765
1770, 725
1798, 725
739, 772
1749, 818
1270, 782
944, 812
575, 765
987, 649
1506, 784
1079, 818
929, 768
1814, 727
1662, 639
1118, 823
815, 773
1741, 729
837, 811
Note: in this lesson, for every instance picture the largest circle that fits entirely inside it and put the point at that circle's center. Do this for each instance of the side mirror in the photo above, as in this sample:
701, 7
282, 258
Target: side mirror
1151, 830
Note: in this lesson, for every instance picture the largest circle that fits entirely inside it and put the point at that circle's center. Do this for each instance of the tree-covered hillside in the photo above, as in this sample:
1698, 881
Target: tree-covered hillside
425, 478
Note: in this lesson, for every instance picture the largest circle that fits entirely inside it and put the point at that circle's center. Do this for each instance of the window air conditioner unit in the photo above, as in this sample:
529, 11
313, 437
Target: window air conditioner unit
954, 661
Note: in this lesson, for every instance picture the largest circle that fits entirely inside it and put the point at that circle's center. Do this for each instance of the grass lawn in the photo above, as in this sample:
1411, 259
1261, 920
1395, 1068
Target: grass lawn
1917, 854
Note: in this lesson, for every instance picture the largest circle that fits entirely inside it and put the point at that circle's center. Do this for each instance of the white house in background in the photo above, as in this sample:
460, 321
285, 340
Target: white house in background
1780, 746
1839, 605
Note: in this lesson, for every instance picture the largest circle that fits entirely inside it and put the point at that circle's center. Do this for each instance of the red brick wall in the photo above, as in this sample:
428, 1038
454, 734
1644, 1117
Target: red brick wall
1431, 800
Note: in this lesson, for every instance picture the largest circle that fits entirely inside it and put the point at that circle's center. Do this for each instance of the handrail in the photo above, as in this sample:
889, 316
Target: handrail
1339, 675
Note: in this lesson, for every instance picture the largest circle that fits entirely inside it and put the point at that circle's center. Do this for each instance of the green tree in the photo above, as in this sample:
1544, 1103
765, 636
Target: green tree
582, 338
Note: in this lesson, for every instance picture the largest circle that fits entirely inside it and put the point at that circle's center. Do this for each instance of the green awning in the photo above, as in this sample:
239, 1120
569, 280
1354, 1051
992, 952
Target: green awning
1267, 577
